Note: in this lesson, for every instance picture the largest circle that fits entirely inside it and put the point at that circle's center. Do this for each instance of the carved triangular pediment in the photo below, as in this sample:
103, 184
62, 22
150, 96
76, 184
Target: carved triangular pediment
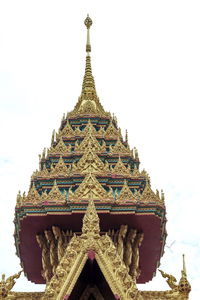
88, 142
90, 246
125, 194
120, 148
90, 163
111, 131
89, 129
90, 188
55, 194
121, 169
148, 196
60, 148
67, 131
60, 169
33, 195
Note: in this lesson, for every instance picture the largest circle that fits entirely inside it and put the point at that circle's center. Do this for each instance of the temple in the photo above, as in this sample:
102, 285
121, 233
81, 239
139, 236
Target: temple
91, 227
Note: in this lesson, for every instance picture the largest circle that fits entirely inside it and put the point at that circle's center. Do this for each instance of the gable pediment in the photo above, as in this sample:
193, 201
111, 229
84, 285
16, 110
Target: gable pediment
90, 246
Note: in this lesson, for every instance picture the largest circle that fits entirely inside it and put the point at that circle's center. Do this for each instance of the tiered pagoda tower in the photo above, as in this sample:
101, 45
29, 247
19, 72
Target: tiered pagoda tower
90, 226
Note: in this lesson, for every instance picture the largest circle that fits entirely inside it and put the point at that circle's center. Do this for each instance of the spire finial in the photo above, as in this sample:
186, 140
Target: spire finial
184, 267
184, 286
88, 24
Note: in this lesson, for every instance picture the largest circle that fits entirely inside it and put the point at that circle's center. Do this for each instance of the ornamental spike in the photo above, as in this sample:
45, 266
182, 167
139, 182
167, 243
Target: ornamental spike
88, 24
88, 87
126, 137
184, 267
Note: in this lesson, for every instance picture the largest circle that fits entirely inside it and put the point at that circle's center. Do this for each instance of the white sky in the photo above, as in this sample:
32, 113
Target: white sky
146, 64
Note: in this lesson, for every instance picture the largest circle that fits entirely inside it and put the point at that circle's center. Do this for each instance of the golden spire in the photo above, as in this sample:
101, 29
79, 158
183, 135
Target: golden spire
88, 87
88, 102
184, 286
88, 24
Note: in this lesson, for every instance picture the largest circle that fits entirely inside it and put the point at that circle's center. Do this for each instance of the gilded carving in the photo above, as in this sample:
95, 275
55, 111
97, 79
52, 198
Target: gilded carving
46, 264
110, 263
88, 103
136, 172
125, 194
121, 169
90, 163
52, 245
19, 200
60, 241
41, 173
91, 142
134, 268
90, 221
120, 240
111, 131
60, 169
119, 148
60, 148
67, 131
90, 188
55, 195
78, 132
6, 285
145, 174
89, 129
44, 197
33, 196
128, 251
149, 196
101, 132
171, 280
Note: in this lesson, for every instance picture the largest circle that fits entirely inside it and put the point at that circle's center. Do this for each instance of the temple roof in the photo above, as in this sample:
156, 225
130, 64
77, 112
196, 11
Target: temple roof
89, 159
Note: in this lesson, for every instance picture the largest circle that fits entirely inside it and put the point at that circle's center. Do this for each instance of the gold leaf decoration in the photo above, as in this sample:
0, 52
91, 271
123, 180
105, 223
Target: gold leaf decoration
78, 132
42, 173
90, 163
44, 197
100, 132
137, 195
91, 220
125, 194
88, 142
55, 195
67, 131
89, 129
145, 174
120, 169
111, 131
119, 148
90, 188
33, 195
88, 103
76, 255
19, 200
136, 172
110, 195
60, 169
60, 148
148, 195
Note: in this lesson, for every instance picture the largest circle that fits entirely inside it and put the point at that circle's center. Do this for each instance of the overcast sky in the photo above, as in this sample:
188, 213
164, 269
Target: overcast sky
146, 64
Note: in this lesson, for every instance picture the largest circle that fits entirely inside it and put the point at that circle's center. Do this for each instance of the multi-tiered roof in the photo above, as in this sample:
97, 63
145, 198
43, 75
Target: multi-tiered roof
88, 159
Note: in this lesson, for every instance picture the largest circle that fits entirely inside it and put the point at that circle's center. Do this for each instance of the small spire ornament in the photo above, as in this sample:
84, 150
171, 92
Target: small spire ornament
88, 24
